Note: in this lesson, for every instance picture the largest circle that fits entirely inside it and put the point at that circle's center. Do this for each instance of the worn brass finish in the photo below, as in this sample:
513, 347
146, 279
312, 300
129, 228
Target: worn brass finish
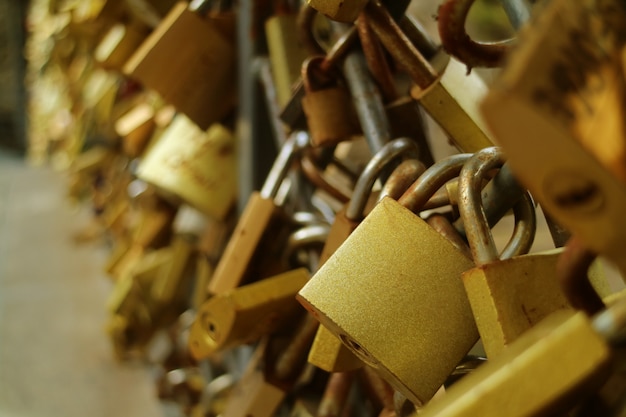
340, 10
370, 303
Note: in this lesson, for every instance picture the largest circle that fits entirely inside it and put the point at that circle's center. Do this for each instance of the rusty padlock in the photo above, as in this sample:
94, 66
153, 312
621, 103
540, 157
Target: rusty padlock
327, 105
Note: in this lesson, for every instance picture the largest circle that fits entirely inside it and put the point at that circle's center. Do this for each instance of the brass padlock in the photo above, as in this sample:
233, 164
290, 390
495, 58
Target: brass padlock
193, 165
550, 101
136, 128
119, 43
246, 313
507, 296
328, 352
555, 363
199, 78
257, 218
392, 259
449, 95
327, 106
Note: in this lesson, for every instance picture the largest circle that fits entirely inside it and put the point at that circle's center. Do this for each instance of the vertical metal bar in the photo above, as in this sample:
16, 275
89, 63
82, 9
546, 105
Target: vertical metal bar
518, 12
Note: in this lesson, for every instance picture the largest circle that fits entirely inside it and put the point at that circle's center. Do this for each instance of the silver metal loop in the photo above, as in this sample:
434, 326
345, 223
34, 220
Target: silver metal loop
363, 187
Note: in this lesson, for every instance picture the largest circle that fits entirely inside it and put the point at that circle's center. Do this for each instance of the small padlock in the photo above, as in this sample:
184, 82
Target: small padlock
119, 43
237, 262
193, 165
247, 313
392, 259
199, 78
449, 96
136, 128
546, 369
328, 352
507, 296
327, 105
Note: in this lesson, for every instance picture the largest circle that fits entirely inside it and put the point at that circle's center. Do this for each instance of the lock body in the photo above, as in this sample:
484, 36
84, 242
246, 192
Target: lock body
190, 63
196, 166
553, 362
245, 314
366, 295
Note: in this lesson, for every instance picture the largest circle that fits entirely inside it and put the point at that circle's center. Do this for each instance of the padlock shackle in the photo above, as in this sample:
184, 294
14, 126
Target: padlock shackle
363, 187
308, 236
295, 143
401, 178
611, 322
432, 180
524, 230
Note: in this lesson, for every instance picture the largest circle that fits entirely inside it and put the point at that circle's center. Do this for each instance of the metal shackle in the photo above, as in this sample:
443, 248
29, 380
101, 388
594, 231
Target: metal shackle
363, 187
473, 214
296, 142
432, 180
401, 178
311, 236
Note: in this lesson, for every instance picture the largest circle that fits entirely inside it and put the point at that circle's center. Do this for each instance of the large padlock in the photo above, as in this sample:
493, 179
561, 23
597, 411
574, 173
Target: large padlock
559, 91
258, 217
245, 314
544, 371
449, 95
328, 352
392, 259
507, 296
193, 165
199, 78
327, 106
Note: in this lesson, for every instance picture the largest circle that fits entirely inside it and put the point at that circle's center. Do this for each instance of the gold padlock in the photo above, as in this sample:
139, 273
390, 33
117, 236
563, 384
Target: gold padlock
327, 106
196, 166
259, 216
328, 352
413, 346
119, 43
247, 313
560, 89
136, 128
553, 364
199, 78
507, 296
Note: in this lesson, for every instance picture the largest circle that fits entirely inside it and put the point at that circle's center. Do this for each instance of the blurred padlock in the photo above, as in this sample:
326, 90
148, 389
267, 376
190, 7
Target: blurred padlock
257, 219
544, 372
199, 78
328, 352
196, 166
392, 259
245, 314
119, 44
507, 296
561, 90
327, 105
448, 95
286, 54
136, 128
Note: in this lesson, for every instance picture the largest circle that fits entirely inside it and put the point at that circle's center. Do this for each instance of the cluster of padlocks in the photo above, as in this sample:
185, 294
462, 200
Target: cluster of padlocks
363, 277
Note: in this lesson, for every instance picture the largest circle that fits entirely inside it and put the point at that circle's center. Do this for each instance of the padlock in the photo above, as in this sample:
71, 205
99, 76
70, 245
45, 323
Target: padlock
449, 96
238, 260
341, 11
247, 313
583, 189
328, 352
327, 105
286, 54
507, 296
414, 347
196, 166
173, 282
199, 78
555, 363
